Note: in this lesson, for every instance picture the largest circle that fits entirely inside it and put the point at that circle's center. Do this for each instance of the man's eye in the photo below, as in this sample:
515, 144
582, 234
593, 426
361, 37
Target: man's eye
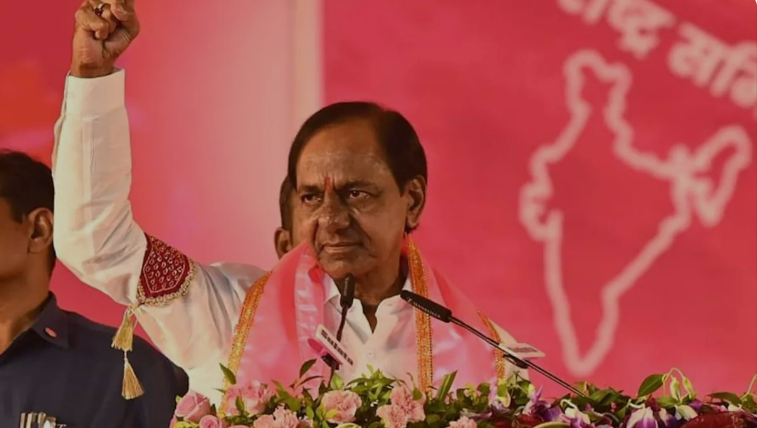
357, 194
309, 198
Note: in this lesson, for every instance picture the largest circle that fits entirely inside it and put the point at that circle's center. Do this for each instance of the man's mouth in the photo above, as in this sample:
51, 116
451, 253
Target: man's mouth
339, 247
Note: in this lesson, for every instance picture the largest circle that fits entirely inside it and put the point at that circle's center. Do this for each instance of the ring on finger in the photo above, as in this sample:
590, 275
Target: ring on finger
99, 9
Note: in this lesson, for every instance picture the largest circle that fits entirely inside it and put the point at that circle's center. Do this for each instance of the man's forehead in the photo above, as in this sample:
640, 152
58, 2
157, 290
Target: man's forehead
336, 180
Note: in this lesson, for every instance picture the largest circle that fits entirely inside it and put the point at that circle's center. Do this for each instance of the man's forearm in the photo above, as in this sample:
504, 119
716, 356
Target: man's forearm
95, 235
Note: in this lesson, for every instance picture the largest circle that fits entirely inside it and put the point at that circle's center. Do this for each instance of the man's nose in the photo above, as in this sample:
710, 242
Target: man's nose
334, 214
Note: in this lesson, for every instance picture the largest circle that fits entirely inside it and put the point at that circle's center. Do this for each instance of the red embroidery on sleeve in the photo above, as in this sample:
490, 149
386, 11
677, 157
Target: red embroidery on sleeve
166, 273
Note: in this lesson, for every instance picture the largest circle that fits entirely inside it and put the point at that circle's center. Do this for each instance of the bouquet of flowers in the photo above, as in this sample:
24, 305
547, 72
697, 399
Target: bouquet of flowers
376, 401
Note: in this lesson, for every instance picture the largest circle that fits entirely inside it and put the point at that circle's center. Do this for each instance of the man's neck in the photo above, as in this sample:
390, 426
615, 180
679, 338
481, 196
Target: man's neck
375, 287
20, 304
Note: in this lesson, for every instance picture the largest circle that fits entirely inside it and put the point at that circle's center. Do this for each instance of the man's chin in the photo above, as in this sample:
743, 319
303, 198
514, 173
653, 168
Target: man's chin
339, 268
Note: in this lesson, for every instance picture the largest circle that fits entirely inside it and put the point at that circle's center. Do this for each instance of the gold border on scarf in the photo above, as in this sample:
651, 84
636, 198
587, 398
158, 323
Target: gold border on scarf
499, 357
422, 320
242, 329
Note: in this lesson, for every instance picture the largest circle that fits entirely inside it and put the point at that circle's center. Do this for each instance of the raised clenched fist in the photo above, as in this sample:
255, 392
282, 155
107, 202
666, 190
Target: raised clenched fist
104, 29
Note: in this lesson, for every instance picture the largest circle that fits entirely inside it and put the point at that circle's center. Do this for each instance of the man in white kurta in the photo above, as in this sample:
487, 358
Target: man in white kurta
97, 238
188, 309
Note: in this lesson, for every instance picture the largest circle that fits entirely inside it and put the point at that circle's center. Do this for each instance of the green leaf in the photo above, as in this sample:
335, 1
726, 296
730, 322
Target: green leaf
687, 384
336, 382
310, 413
675, 388
622, 412
727, 396
240, 405
502, 390
747, 402
598, 395
293, 404
484, 389
307, 366
417, 394
667, 402
228, 375
611, 397
446, 385
651, 384
582, 386
308, 379
185, 424
330, 414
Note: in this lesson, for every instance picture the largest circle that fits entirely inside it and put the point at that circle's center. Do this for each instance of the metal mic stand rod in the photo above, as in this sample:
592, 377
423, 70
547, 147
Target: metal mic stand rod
517, 360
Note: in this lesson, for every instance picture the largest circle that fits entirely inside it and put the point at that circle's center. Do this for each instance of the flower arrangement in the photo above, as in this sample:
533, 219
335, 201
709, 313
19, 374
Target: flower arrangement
376, 401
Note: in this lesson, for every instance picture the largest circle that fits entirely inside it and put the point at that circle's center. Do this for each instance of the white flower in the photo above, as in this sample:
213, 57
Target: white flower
642, 418
685, 412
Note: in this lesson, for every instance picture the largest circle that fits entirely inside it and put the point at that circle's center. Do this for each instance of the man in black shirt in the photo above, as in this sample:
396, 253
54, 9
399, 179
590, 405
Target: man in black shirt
53, 361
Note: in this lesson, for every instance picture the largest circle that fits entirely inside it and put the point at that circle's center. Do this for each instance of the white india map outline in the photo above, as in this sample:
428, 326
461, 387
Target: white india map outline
691, 195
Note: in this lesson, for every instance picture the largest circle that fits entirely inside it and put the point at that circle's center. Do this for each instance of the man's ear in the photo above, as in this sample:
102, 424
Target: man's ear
41, 231
416, 192
282, 240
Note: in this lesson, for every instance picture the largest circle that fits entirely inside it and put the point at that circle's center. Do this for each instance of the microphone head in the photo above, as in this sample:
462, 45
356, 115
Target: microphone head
348, 293
428, 306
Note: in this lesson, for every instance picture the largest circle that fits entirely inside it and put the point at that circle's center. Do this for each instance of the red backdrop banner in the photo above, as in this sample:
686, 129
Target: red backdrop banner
592, 182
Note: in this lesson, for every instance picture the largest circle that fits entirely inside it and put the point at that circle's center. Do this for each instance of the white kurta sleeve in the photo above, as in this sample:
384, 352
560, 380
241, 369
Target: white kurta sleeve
189, 310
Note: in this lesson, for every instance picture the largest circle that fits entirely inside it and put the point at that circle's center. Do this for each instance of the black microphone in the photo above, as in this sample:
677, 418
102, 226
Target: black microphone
348, 296
445, 315
345, 301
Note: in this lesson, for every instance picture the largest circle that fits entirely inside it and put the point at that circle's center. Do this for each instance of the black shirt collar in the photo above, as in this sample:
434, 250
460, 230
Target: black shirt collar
51, 324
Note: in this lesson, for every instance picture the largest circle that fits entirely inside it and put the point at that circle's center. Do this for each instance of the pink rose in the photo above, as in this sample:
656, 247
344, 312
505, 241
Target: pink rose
254, 397
393, 416
281, 418
403, 398
463, 422
210, 421
192, 407
265, 421
345, 403
285, 418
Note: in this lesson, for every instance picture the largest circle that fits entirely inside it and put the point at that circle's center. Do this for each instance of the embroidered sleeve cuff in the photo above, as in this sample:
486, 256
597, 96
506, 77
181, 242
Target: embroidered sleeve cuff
95, 97
166, 274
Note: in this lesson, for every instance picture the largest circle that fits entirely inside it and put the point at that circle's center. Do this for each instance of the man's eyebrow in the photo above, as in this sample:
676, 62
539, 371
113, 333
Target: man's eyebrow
309, 188
356, 183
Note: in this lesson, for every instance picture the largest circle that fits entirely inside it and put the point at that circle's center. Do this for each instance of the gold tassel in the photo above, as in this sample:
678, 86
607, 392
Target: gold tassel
124, 338
131, 387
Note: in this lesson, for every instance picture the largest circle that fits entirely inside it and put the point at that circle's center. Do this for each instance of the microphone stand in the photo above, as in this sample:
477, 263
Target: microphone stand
445, 315
510, 356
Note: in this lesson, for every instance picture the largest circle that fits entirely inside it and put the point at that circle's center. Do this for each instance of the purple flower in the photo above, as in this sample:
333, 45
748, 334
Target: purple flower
498, 407
666, 419
541, 409
642, 418
696, 405
577, 419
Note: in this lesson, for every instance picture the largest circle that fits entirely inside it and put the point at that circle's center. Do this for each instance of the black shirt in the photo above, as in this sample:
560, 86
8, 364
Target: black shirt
64, 366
